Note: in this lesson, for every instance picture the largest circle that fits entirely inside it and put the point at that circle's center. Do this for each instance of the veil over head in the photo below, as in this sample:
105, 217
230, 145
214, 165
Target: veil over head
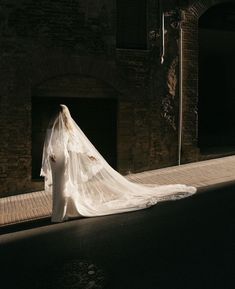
87, 185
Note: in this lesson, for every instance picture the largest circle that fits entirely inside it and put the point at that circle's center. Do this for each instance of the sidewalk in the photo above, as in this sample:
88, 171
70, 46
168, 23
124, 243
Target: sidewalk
37, 205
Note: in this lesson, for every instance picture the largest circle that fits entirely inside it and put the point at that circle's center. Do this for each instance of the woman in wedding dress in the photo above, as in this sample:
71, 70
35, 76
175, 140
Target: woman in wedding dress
82, 183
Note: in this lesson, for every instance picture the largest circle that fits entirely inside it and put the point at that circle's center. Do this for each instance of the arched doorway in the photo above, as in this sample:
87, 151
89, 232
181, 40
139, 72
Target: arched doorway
93, 105
216, 89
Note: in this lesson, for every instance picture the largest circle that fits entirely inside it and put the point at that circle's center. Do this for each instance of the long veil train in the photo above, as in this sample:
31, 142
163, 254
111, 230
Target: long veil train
83, 183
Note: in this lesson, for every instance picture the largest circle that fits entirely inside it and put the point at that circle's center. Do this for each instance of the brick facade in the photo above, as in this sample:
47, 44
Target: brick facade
192, 13
42, 40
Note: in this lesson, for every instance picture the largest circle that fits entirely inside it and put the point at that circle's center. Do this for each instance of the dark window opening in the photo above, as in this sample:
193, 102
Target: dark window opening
96, 117
216, 79
131, 24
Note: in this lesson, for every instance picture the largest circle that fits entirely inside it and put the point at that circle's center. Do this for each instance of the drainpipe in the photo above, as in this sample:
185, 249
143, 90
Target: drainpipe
163, 37
180, 93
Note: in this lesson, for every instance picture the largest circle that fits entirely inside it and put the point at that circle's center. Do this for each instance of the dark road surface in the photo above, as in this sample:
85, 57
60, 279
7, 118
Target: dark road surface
186, 244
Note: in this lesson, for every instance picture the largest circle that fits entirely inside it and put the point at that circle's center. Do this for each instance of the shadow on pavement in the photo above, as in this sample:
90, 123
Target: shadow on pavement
188, 243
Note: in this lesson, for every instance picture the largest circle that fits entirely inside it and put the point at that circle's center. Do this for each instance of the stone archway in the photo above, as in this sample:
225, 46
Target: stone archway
190, 149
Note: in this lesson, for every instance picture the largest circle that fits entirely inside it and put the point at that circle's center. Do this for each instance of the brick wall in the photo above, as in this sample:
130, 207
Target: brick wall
42, 40
192, 12
39, 41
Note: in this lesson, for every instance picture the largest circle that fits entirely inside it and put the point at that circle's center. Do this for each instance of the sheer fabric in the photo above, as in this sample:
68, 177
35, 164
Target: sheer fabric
82, 183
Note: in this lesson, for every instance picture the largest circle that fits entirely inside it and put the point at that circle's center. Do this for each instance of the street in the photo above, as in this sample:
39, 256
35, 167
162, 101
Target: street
182, 244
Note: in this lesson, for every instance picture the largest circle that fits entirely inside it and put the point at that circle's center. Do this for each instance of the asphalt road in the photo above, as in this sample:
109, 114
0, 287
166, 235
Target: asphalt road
185, 244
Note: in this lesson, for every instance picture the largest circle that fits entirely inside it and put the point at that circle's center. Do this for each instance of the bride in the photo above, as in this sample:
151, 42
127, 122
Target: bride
82, 183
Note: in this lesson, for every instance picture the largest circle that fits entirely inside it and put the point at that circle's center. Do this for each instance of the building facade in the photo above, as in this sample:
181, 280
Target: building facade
132, 72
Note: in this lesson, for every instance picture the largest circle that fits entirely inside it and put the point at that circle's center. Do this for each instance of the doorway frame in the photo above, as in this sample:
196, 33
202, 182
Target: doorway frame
190, 72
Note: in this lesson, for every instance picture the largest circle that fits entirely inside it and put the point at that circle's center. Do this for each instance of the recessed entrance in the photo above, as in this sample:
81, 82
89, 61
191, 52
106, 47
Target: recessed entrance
96, 117
216, 79
93, 105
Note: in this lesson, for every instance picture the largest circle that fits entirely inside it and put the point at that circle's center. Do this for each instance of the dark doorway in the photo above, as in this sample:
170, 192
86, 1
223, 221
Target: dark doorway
96, 117
217, 79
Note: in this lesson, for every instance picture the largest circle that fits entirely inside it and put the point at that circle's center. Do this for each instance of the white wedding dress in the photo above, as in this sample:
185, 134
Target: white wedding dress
82, 183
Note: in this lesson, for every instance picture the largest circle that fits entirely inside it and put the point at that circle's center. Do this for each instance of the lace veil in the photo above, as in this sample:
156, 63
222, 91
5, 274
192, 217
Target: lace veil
87, 181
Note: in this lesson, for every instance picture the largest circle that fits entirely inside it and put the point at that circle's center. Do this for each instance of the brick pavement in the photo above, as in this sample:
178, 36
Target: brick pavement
37, 205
